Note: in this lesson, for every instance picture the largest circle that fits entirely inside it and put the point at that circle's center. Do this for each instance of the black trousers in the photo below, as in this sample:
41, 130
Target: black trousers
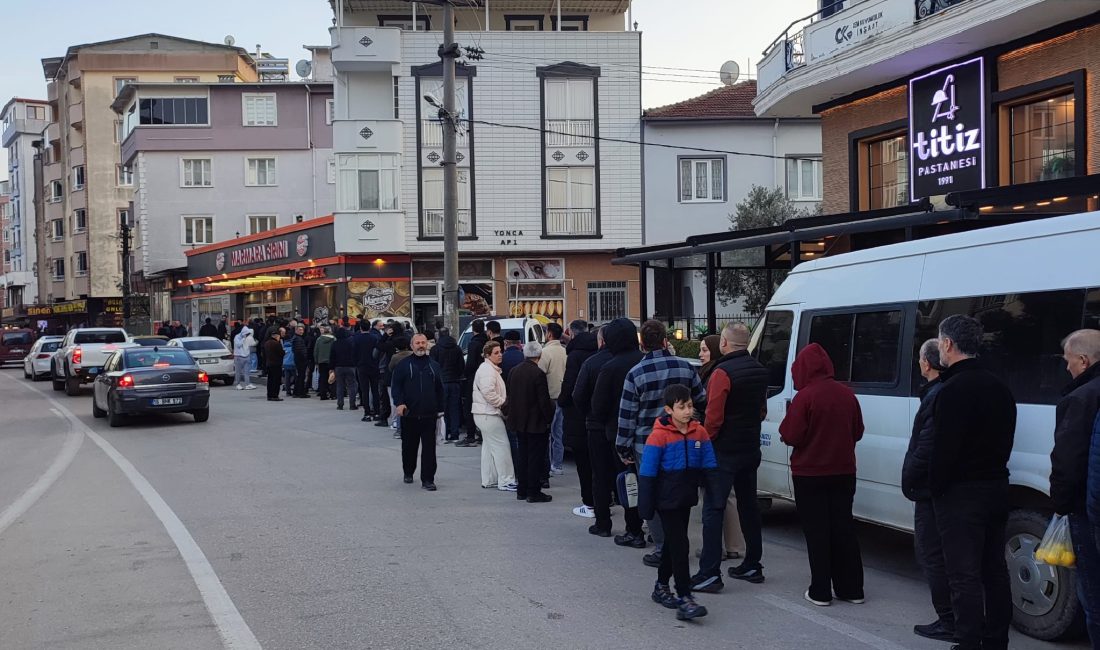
929, 549
467, 405
971, 518
300, 379
605, 468
419, 432
824, 505
531, 462
384, 409
674, 556
274, 381
363, 376
736, 472
576, 436
322, 380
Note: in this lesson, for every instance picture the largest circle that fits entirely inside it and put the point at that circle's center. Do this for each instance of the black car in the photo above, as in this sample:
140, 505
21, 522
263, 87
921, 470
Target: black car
151, 380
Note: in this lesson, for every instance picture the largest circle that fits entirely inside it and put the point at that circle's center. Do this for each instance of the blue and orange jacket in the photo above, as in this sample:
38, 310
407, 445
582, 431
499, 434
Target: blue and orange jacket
674, 466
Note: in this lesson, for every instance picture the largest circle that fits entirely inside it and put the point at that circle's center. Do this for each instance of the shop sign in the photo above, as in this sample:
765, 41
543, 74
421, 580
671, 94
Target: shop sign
8, 312
855, 26
947, 130
508, 237
113, 305
317, 273
266, 252
536, 269
59, 308
379, 298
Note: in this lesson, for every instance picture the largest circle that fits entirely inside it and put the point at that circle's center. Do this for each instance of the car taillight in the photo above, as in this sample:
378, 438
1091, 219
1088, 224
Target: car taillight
204, 378
78, 354
227, 357
43, 356
126, 381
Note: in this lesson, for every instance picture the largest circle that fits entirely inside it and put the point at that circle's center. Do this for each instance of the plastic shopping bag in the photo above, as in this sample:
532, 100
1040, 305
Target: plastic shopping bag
627, 485
1056, 548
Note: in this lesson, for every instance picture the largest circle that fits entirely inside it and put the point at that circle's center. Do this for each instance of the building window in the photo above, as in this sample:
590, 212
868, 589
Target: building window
227, 78
330, 111
196, 172
57, 191
702, 180
1042, 142
258, 223
124, 175
198, 230
570, 23
330, 175
57, 229
119, 133
78, 177
570, 201
423, 23
396, 97
80, 266
804, 179
570, 112
173, 111
36, 112
186, 80
123, 215
80, 221
530, 23
367, 181
606, 301
259, 109
260, 172
431, 212
58, 269
121, 82
887, 172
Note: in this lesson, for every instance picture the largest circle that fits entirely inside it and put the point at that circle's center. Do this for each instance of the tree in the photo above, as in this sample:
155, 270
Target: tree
762, 208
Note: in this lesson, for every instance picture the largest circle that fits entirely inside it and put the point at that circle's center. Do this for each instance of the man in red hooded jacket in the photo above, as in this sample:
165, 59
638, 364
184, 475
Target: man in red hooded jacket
822, 427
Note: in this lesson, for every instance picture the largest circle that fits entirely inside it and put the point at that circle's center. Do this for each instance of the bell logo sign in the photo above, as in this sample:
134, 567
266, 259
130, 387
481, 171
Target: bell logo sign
946, 130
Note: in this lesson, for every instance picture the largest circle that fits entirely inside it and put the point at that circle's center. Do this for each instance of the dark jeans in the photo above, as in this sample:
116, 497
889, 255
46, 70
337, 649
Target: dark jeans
274, 381
288, 381
531, 462
576, 436
452, 408
1088, 573
605, 468
513, 447
929, 548
674, 557
367, 387
971, 518
417, 431
322, 380
300, 378
384, 409
824, 505
736, 473
467, 405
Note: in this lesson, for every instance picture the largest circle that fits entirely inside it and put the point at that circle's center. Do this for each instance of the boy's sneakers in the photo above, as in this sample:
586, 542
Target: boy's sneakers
754, 575
687, 609
584, 511
707, 584
652, 560
664, 597
811, 599
633, 540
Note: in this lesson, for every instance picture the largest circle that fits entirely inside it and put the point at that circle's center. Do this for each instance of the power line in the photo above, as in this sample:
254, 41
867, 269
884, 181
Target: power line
714, 74
520, 67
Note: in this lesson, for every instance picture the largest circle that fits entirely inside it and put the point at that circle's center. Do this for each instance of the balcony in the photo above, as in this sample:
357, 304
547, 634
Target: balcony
431, 223
858, 44
431, 135
382, 136
569, 133
565, 222
365, 49
76, 115
53, 132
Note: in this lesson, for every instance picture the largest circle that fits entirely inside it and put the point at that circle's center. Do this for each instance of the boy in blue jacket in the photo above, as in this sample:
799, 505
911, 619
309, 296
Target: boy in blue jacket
677, 458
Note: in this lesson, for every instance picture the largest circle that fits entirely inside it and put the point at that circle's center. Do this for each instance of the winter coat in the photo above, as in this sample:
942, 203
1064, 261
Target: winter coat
209, 329
552, 363
674, 466
586, 386
580, 348
298, 347
1092, 496
474, 350
974, 426
529, 407
288, 354
417, 383
223, 331
620, 338
490, 393
343, 350
322, 349
273, 354
165, 331
311, 343
643, 400
364, 350
449, 358
509, 359
243, 342
737, 395
1074, 417
397, 358
914, 469
824, 421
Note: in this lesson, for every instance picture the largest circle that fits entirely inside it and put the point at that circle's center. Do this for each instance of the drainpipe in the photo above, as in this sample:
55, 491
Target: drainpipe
559, 15
487, 15
414, 16
312, 152
775, 153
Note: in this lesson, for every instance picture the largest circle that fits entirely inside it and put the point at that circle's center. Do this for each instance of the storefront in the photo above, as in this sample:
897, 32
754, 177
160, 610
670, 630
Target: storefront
290, 272
87, 312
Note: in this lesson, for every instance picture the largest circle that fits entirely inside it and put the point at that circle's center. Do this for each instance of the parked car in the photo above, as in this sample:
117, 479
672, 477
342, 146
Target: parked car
530, 328
151, 380
872, 309
36, 365
210, 353
81, 355
15, 344
150, 340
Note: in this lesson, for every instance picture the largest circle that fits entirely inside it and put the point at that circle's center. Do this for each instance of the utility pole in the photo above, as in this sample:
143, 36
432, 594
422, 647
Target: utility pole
448, 52
124, 235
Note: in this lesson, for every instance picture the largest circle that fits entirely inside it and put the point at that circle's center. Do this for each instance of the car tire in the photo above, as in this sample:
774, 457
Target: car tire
201, 415
96, 411
58, 384
1055, 614
72, 386
113, 418
27, 375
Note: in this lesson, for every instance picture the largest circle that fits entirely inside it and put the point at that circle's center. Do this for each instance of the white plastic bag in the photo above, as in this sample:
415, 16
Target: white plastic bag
1056, 547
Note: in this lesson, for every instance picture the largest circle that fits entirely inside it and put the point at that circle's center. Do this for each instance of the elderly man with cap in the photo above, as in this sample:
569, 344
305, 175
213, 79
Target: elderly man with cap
513, 352
530, 412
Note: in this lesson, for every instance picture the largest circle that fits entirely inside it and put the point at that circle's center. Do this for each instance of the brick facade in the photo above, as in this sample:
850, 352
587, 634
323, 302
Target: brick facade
836, 125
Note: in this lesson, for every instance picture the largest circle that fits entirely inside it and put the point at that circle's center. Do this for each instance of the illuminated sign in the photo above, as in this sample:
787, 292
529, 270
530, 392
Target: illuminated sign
947, 130
266, 252
318, 273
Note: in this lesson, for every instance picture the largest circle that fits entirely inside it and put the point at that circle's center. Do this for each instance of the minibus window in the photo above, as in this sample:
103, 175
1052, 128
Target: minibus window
1092, 309
834, 333
774, 346
875, 350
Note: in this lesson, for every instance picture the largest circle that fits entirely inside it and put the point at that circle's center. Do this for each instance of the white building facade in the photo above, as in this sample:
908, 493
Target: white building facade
24, 121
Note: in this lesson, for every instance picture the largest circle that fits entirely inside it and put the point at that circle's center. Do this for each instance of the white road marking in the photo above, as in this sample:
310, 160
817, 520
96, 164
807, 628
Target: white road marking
850, 631
234, 632
64, 457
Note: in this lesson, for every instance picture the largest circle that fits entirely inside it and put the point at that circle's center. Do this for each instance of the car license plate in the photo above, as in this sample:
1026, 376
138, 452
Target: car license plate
167, 401
207, 361
93, 371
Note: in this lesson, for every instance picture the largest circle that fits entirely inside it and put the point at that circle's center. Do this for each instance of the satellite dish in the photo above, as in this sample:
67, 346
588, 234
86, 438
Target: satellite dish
729, 72
229, 40
303, 68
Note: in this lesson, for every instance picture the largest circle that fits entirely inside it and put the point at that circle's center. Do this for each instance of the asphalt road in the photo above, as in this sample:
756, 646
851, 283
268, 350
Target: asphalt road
286, 525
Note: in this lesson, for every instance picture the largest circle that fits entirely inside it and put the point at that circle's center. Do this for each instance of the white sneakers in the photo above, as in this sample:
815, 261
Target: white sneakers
240, 387
511, 487
819, 603
250, 387
557, 471
584, 511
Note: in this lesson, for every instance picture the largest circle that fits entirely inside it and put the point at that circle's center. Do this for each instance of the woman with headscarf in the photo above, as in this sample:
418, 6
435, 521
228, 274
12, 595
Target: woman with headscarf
489, 396
709, 355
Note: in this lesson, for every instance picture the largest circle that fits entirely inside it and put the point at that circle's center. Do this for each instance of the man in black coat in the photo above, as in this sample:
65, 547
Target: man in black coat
301, 360
366, 368
449, 357
582, 345
417, 387
1074, 418
600, 454
209, 329
914, 485
474, 358
223, 330
621, 339
974, 423
530, 412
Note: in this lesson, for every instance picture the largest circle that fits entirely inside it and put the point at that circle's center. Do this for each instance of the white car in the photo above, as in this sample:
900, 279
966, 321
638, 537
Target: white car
530, 328
212, 355
36, 365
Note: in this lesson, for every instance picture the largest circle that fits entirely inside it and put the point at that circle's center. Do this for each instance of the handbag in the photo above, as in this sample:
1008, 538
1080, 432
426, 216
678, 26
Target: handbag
626, 485
332, 376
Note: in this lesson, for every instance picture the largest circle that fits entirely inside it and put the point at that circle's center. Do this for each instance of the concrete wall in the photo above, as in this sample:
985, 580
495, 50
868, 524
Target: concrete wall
17, 139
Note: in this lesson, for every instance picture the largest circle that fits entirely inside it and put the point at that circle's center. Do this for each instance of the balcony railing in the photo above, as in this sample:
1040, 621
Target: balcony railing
567, 222
431, 134
432, 224
569, 133
926, 8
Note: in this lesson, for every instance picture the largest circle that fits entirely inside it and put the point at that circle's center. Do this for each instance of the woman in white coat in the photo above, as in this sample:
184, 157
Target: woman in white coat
489, 397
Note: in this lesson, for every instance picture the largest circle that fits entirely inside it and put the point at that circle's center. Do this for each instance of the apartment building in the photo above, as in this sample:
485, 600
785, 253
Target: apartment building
548, 188
24, 122
5, 217
87, 189
220, 163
